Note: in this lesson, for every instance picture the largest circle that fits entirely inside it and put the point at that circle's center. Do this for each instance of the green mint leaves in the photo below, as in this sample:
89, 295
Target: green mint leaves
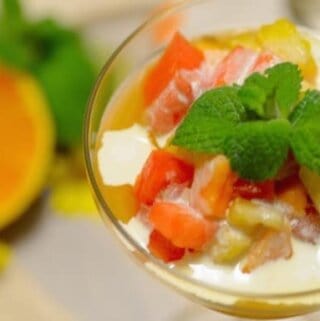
258, 149
274, 94
256, 124
206, 125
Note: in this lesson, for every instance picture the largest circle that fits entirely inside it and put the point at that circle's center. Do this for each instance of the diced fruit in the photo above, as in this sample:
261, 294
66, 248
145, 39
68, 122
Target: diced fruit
212, 188
247, 215
292, 192
163, 249
229, 245
246, 39
172, 104
180, 54
265, 60
168, 110
121, 201
240, 63
250, 190
235, 66
160, 170
182, 225
311, 181
272, 245
285, 41
307, 227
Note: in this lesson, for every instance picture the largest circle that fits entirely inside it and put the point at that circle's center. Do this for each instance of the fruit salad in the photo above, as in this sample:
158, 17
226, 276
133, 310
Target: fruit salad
210, 158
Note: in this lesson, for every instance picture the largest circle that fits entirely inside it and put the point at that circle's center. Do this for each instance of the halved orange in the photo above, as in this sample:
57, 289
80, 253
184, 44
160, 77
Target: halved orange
26, 143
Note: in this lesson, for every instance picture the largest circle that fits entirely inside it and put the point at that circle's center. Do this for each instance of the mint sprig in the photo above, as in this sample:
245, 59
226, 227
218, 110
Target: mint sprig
274, 94
216, 111
258, 149
224, 120
286, 81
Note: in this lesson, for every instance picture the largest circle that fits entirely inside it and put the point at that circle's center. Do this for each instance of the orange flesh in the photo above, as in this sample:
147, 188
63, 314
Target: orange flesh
26, 143
17, 138
296, 196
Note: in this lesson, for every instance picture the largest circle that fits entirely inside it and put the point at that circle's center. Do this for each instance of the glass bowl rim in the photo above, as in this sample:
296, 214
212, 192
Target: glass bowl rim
178, 4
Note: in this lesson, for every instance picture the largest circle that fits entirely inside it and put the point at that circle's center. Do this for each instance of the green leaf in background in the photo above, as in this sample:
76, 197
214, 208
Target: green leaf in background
258, 149
67, 77
58, 58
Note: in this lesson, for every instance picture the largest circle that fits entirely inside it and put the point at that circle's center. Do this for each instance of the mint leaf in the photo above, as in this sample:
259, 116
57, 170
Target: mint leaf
305, 143
258, 149
308, 110
209, 120
286, 81
254, 93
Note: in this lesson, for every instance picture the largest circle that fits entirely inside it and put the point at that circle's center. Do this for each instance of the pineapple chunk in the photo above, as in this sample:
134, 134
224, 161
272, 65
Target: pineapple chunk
285, 41
247, 215
230, 245
311, 181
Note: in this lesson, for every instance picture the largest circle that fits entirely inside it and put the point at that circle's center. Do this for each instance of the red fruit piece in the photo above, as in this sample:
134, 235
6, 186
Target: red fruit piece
250, 190
182, 225
163, 249
160, 170
180, 54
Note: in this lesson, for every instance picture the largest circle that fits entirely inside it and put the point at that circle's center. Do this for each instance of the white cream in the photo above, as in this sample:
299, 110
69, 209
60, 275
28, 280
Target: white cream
123, 154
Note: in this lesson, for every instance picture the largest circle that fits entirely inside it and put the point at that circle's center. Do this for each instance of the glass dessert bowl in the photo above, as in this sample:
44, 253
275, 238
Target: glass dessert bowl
198, 162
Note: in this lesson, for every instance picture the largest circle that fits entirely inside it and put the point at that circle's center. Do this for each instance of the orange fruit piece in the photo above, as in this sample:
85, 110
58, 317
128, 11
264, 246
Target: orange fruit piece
292, 192
180, 54
182, 225
212, 188
26, 144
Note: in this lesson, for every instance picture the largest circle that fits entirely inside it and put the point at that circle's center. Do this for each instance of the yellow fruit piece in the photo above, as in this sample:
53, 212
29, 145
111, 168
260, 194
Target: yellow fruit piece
73, 198
247, 215
5, 255
228, 41
26, 144
311, 181
284, 40
230, 245
121, 201
70, 192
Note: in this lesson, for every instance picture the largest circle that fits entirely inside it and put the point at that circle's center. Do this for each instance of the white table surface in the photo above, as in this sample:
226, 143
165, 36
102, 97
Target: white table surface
76, 267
